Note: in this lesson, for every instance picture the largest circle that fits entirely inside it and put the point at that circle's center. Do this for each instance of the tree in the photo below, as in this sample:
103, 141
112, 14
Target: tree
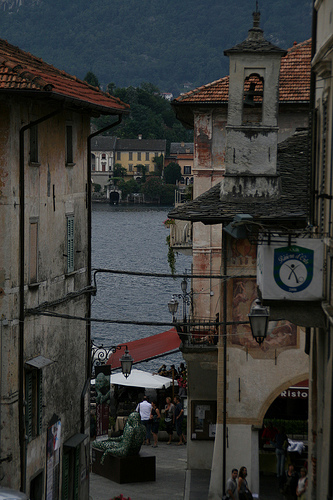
143, 169
119, 173
152, 188
172, 173
92, 79
159, 162
168, 194
128, 187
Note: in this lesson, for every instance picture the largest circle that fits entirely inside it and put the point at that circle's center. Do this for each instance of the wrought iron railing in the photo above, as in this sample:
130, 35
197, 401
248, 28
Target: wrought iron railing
199, 331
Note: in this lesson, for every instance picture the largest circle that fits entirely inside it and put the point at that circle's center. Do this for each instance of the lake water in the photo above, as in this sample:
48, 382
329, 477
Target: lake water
133, 238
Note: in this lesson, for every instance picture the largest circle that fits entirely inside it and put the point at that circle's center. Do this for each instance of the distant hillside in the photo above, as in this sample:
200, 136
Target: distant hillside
174, 45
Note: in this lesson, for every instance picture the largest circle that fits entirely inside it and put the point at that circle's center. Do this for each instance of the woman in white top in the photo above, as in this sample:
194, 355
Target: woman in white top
302, 485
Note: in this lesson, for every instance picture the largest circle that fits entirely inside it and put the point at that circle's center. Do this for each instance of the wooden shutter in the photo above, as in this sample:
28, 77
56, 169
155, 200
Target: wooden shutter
34, 144
70, 244
76, 473
69, 144
65, 477
28, 408
33, 253
39, 402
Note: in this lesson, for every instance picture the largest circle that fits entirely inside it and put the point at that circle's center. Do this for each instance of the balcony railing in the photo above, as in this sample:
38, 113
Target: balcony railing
198, 332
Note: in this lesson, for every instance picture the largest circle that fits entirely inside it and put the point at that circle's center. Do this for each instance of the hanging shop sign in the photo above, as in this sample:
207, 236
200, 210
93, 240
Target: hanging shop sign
292, 272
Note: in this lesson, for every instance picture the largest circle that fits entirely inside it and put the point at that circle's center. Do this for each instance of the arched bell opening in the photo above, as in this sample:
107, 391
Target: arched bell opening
253, 93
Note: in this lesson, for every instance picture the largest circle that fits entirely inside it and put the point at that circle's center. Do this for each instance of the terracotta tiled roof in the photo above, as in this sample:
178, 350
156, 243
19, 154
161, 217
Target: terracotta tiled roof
291, 206
21, 71
294, 80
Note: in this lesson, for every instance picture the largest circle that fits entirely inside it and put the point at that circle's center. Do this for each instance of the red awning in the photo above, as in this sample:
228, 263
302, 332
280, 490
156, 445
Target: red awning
148, 348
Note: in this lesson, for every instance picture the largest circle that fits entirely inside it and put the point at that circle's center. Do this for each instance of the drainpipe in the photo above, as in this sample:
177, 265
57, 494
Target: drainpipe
313, 121
108, 127
224, 243
22, 437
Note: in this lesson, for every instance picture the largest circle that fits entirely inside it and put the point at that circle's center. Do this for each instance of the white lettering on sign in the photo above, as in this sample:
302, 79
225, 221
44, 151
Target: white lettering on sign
294, 394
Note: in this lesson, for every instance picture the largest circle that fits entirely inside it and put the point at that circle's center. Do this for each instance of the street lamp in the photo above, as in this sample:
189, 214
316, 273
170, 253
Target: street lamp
100, 354
259, 318
173, 307
186, 298
126, 362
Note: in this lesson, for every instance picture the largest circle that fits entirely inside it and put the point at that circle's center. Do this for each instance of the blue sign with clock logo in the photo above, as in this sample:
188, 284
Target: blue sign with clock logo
293, 268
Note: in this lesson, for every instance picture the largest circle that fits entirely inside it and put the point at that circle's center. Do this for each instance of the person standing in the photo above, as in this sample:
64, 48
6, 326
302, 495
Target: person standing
290, 484
302, 485
179, 416
169, 416
144, 409
243, 489
231, 486
155, 422
281, 445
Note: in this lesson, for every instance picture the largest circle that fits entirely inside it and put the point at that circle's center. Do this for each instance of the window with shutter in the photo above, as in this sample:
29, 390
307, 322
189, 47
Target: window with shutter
34, 144
39, 402
70, 244
76, 473
34, 403
69, 145
28, 408
65, 476
33, 252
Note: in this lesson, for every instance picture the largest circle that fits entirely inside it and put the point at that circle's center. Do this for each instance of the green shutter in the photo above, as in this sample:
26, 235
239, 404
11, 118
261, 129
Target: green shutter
65, 477
28, 408
76, 473
70, 244
39, 402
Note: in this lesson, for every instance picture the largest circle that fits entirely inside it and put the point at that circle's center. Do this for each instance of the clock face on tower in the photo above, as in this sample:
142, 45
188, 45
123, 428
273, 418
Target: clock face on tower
293, 268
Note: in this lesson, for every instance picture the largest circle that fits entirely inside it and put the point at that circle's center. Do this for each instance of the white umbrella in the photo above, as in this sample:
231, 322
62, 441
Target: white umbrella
139, 378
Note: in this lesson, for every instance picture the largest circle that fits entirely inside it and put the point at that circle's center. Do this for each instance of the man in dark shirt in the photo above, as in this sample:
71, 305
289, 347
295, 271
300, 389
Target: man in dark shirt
179, 416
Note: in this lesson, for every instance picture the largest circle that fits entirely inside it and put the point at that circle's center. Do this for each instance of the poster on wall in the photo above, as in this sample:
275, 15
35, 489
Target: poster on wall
292, 272
53, 460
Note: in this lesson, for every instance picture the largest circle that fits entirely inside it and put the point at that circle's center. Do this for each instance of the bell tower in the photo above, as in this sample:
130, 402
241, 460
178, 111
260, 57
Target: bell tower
252, 131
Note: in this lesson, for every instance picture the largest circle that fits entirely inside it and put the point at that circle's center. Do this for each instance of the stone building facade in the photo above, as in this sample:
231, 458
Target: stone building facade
45, 266
244, 163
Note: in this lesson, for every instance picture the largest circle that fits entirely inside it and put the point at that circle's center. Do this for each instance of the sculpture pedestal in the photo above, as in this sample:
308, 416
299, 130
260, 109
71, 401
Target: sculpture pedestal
135, 469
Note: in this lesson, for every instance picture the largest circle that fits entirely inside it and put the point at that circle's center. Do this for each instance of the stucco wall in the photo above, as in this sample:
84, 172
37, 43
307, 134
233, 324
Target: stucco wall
202, 370
52, 191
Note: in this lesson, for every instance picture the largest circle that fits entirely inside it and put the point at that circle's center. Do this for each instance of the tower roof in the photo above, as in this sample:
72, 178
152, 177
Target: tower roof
255, 41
